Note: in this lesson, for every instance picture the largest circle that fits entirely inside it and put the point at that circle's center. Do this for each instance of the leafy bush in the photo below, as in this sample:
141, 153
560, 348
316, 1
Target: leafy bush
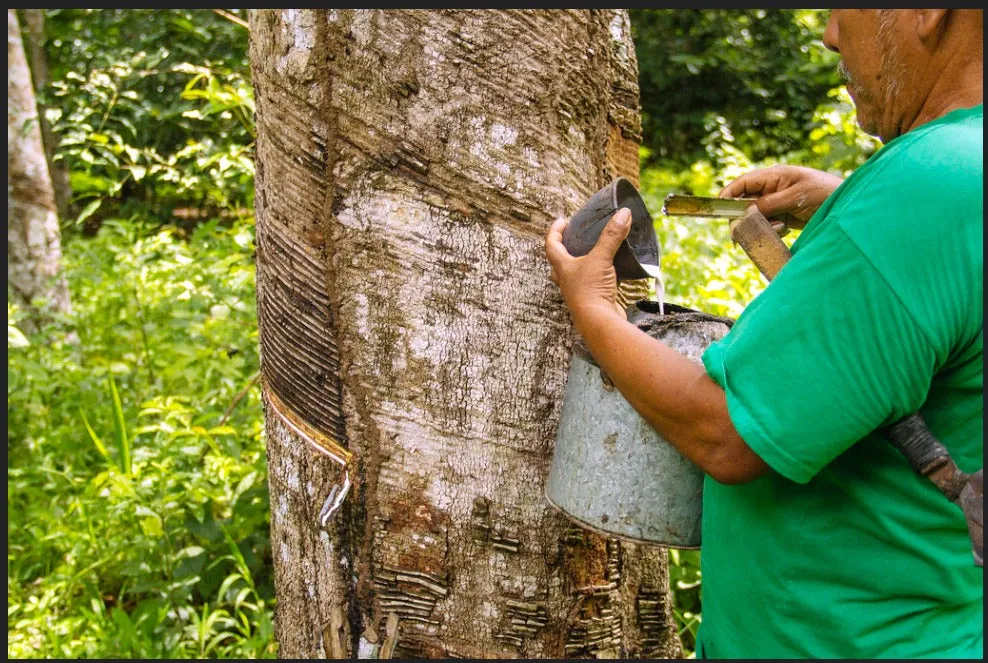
136, 480
137, 500
142, 129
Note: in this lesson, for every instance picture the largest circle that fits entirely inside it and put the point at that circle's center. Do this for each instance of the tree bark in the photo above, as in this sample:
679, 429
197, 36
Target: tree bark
33, 241
34, 21
408, 165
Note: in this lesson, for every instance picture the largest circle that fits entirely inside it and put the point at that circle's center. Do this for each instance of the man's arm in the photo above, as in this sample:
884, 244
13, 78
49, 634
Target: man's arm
675, 395
671, 392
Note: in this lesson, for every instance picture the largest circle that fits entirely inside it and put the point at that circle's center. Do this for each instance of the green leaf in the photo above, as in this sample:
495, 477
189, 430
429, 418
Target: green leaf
88, 210
138, 172
15, 338
150, 521
119, 427
227, 583
95, 438
152, 527
145, 512
190, 551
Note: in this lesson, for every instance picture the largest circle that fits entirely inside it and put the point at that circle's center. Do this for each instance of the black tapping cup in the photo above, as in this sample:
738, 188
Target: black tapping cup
638, 255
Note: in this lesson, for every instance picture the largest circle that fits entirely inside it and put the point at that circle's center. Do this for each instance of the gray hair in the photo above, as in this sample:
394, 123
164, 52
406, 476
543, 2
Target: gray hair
893, 71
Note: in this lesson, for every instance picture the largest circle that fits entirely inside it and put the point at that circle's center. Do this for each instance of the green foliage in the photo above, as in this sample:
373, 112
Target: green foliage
142, 129
685, 580
154, 545
836, 143
137, 505
763, 72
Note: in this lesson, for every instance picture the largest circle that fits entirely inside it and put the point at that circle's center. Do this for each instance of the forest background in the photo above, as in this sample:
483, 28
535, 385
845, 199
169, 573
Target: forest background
137, 503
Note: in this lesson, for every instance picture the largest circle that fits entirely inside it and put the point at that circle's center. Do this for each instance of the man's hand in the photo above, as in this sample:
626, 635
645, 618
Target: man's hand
588, 283
791, 190
671, 392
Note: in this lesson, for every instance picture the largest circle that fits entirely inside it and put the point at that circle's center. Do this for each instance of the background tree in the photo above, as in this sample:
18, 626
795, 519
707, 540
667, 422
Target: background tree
409, 163
34, 22
33, 241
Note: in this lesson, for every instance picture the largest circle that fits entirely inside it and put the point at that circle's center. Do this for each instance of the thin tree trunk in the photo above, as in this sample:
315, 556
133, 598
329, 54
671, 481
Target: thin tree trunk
33, 243
408, 165
34, 21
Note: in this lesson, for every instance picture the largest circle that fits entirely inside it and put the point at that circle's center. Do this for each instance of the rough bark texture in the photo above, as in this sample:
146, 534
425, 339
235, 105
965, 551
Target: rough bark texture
33, 244
408, 165
34, 21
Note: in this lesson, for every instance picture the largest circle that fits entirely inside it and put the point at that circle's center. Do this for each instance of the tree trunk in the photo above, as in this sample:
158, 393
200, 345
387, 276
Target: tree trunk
33, 244
34, 21
408, 165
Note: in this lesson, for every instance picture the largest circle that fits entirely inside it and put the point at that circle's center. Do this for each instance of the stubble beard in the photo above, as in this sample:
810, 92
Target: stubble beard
862, 102
893, 71
891, 83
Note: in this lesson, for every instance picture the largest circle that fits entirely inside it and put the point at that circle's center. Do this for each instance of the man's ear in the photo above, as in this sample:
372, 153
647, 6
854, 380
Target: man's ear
931, 25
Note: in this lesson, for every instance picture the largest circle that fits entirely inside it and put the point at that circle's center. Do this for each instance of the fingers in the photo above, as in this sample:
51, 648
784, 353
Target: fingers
748, 184
556, 229
614, 233
781, 191
735, 189
786, 201
755, 183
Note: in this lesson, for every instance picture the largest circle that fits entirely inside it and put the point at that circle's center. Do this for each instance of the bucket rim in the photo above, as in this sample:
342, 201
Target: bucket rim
613, 535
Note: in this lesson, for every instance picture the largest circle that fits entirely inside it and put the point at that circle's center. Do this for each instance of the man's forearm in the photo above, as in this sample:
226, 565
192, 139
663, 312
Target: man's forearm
672, 393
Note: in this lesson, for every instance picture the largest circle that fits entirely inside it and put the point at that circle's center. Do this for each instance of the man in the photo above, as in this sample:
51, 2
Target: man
819, 540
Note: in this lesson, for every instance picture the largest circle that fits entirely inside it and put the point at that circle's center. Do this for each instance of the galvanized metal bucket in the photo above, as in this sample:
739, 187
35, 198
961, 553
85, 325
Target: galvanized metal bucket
611, 471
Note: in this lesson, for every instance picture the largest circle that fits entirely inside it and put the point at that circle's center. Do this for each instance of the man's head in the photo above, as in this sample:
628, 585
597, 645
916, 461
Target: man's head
905, 67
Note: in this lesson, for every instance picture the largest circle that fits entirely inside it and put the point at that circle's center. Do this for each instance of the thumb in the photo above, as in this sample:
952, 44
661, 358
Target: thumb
614, 233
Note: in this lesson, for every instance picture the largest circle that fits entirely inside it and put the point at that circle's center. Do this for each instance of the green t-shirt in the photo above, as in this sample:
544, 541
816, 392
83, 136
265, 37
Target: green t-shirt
843, 551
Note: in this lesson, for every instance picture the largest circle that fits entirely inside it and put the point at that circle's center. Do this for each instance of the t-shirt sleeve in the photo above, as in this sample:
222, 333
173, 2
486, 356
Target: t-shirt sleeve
822, 357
